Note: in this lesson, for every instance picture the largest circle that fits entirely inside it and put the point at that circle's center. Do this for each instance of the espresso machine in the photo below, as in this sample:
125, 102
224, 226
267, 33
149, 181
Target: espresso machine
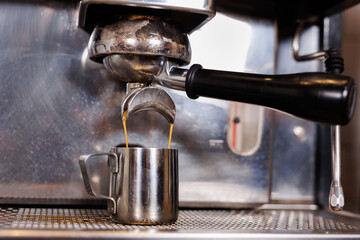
255, 93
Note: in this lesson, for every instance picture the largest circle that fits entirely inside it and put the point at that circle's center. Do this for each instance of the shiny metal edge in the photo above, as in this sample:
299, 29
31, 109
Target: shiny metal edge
205, 7
346, 213
214, 205
274, 206
70, 234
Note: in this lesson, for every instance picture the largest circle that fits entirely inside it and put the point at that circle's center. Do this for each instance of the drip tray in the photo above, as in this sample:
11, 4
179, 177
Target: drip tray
201, 224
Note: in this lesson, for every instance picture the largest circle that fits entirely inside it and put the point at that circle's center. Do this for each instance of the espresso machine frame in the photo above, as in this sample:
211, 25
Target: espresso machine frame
271, 181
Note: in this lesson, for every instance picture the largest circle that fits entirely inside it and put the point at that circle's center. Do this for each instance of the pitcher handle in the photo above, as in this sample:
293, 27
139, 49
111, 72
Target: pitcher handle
114, 169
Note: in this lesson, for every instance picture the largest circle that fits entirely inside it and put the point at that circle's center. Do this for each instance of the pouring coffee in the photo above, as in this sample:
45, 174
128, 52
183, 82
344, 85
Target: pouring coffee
143, 185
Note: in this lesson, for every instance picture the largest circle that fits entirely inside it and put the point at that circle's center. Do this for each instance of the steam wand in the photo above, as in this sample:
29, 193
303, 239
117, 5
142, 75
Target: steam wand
334, 63
336, 196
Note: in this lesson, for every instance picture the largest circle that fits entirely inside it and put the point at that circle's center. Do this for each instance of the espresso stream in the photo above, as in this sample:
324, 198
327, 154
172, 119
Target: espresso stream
126, 136
125, 131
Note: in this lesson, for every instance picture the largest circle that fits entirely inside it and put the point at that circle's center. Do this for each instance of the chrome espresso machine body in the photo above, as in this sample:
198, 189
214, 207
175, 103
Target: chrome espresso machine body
244, 170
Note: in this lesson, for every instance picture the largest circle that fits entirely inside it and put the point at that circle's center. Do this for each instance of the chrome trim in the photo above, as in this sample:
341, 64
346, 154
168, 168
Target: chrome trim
171, 76
203, 7
296, 46
290, 206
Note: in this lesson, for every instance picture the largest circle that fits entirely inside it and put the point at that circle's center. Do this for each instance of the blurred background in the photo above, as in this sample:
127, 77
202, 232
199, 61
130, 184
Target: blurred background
351, 133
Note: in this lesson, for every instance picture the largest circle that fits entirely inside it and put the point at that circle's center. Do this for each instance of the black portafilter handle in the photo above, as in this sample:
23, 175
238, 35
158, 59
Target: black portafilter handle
320, 97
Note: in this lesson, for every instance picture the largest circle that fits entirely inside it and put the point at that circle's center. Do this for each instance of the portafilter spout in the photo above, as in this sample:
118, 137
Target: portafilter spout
150, 50
149, 98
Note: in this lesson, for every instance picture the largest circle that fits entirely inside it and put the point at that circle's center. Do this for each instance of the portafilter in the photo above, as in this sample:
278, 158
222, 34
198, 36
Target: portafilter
147, 50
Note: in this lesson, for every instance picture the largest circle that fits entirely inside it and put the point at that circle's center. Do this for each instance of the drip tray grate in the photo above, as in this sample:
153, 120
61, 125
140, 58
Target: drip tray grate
189, 220
79, 223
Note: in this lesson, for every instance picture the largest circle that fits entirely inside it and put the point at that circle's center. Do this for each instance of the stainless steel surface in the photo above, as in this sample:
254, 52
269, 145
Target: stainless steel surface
199, 224
288, 206
289, 11
296, 45
242, 50
146, 188
50, 99
113, 162
189, 14
141, 49
143, 185
133, 68
53, 97
138, 35
294, 156
149, 98
171, 76
336, 196
146, 70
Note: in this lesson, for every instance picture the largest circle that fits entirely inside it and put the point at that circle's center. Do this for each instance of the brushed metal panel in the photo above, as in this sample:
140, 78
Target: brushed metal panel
56, 105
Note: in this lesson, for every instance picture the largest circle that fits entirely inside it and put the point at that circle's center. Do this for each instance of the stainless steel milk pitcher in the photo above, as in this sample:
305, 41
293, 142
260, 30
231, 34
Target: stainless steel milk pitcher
143, 184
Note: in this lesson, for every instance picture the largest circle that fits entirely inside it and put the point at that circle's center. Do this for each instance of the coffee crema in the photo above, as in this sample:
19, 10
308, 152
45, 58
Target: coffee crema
124, 117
